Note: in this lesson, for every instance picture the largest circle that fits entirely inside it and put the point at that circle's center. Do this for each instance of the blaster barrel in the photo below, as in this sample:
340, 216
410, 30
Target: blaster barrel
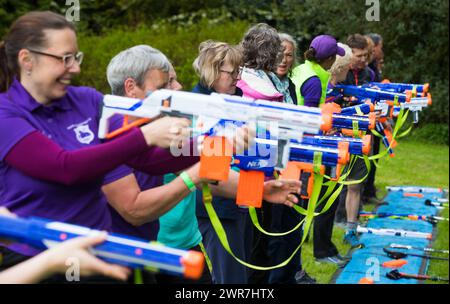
401, 87
365, 123
373, 94
364, 108
357, 146
119, 249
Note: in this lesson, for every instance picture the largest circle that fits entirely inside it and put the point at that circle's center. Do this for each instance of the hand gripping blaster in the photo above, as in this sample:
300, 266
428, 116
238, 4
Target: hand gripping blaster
118, 249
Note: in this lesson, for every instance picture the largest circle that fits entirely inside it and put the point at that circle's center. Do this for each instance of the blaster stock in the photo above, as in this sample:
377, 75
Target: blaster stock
118, 249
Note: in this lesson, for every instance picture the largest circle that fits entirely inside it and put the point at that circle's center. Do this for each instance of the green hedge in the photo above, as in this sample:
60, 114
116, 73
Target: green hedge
179, 42
430, 133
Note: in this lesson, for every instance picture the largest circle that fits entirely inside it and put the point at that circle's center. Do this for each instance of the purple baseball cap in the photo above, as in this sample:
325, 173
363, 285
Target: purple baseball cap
326, 46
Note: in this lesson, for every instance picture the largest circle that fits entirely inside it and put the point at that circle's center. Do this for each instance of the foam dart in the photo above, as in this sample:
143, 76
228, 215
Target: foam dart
401, 255
394, 263
409, 247
397, 275
366, 281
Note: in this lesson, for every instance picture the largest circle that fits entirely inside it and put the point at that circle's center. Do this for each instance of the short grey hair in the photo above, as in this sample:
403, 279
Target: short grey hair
134, 63
342, 61
262, 48
288, 38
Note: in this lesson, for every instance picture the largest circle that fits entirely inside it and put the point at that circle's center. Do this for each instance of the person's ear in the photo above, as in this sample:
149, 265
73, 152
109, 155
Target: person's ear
130, 87
25, 60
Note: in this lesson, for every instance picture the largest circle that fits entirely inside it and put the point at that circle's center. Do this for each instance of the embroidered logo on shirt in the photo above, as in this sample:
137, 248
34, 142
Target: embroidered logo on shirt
83, 133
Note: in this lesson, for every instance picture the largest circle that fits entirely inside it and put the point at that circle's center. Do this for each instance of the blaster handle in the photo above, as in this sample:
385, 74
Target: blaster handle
215, 158
250, 188
303, 172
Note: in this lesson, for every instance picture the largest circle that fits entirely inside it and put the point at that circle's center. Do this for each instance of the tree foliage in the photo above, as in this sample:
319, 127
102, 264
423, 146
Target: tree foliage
415, 32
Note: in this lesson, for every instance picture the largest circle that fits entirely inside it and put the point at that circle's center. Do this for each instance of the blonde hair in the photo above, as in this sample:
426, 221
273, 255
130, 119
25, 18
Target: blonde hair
342, 61
370, 47
212, 55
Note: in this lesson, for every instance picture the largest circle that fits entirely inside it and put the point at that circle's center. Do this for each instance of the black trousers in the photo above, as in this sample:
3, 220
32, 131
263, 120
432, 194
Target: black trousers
323, 229
280, 248
259, 253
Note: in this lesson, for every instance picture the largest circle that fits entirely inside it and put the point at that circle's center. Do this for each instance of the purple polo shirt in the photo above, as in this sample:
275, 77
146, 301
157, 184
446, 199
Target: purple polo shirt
311, 91
72, 122
148, 231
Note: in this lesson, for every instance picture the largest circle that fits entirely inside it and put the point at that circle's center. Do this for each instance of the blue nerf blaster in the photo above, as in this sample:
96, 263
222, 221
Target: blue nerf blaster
301, 163
401, 87
357, 146
374, 95
118, 249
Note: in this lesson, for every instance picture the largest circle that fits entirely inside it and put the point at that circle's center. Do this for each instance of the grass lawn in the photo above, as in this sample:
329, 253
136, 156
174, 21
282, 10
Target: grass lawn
416, 164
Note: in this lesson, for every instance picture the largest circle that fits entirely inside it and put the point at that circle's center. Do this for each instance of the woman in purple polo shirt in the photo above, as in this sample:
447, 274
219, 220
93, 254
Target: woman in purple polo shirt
51, 161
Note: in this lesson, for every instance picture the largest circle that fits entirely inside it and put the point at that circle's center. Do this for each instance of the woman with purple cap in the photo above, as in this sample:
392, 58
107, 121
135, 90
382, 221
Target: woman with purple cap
311, 78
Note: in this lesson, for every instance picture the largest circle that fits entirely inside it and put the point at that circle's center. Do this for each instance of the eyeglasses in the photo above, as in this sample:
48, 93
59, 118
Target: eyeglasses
68, 60
234, 74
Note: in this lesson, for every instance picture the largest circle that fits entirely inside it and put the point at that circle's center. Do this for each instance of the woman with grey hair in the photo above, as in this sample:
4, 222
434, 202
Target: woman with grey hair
262, 52
284, 69
134, 66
